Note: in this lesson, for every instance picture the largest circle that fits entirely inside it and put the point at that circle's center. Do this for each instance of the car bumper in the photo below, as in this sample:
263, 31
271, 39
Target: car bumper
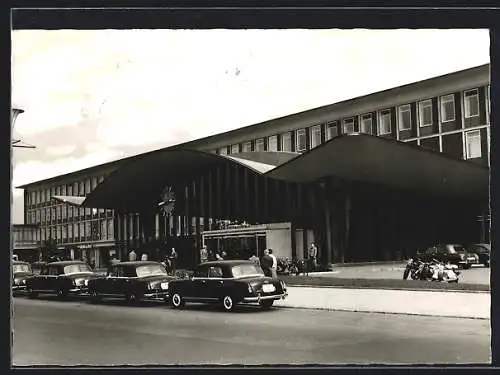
156, 296
78, 291
263, 298
19, 288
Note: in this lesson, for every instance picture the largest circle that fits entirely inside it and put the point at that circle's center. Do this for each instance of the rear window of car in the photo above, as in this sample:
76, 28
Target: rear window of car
243, 270
77, 268
21, 268
150, 270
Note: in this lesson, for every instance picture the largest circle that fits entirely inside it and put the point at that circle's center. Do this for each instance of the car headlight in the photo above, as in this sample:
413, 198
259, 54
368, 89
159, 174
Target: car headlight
86, 282
164, 286
250, 289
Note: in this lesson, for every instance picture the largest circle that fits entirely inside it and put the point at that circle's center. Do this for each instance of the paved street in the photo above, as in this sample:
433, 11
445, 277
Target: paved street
475, 275
47, 331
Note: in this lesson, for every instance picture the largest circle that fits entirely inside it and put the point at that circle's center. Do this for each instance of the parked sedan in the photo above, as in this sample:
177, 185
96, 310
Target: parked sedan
228, 283
449, 253
482, 250
21, 271
135, 281
61, 278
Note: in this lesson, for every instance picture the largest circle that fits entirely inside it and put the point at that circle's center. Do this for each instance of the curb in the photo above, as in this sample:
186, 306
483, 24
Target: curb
382, 288
384, 312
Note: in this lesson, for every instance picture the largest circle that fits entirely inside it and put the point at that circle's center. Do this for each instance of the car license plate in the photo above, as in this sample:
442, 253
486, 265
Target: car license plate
164, 285
268, 288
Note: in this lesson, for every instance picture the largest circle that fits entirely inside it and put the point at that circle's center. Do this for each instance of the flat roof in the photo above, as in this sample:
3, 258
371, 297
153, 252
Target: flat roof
259, 126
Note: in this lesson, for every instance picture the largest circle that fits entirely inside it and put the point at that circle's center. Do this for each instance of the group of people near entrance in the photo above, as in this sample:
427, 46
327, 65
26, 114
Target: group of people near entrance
268, 262
169, 261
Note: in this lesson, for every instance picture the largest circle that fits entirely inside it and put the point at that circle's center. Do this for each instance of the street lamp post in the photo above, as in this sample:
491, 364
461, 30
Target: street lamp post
14, 113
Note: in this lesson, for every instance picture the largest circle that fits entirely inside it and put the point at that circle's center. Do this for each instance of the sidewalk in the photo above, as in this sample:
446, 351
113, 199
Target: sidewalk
449, 304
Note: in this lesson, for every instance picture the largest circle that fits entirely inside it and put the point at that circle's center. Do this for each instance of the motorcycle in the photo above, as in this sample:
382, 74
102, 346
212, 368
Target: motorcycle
431, 271
444, 272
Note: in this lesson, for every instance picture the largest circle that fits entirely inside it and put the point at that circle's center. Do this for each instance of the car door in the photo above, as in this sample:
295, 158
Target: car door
52, 279
196, 288
214, 288
40, 280
111, 285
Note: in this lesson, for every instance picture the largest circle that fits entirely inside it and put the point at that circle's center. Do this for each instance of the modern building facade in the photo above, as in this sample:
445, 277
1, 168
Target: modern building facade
449, 115
25, 245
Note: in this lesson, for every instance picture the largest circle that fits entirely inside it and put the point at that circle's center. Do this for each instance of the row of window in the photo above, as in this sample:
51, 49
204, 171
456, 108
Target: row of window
425, 117
80, 188
23, 234
61, 212
94, 230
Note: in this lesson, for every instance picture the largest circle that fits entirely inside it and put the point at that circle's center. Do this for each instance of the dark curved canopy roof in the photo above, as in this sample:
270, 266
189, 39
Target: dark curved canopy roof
354, 157
371, 159
150, 173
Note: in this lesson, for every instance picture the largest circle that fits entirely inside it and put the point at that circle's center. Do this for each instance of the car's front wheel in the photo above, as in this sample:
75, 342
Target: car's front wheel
133, 298
266, 304
228, 303
176, 301
94, 296
61, 293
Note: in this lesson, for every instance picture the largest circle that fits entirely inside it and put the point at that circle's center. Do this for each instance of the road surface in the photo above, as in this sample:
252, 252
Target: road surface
50, 332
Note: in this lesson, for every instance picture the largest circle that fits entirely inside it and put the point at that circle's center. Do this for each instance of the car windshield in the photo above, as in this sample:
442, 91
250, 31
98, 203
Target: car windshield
483, 248
456, 249
21, 268
150, 270
77, 268
243, 270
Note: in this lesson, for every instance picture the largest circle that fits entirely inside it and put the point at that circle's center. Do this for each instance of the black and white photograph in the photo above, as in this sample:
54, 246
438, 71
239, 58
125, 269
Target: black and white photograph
250, 197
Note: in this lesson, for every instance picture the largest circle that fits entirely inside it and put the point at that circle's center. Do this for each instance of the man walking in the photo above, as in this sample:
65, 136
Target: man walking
313, 254
132, 256
274, 266
203, 254
266, 263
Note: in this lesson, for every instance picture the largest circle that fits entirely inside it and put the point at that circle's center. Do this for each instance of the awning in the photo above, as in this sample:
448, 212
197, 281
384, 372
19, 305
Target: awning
371, 159
69, 199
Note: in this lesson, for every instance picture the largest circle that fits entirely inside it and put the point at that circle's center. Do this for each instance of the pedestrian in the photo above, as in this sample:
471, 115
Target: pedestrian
144, 257
173, 260
218, 256
203, 254
132, 256
255, 260
266, 263
274, 267
313, 254
114, 260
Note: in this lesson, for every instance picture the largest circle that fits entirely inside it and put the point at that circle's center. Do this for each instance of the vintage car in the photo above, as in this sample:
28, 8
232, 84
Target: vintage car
482, 250
61, 278
135, 281
21, 271
227, 282
448, 253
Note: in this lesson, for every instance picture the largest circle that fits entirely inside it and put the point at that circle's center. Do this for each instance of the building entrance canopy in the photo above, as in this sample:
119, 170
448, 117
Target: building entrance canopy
357, 158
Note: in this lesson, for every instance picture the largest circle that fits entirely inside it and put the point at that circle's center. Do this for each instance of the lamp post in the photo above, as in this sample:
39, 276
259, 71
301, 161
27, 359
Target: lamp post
17, 142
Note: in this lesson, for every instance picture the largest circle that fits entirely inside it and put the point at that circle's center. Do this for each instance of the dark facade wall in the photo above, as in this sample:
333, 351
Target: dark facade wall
387, 225
453, 145
430, 143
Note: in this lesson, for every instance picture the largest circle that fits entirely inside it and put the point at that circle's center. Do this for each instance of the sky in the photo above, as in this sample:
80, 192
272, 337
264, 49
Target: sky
95, 96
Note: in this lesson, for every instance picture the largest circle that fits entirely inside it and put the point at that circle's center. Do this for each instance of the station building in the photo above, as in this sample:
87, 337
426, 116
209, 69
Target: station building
370, 178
